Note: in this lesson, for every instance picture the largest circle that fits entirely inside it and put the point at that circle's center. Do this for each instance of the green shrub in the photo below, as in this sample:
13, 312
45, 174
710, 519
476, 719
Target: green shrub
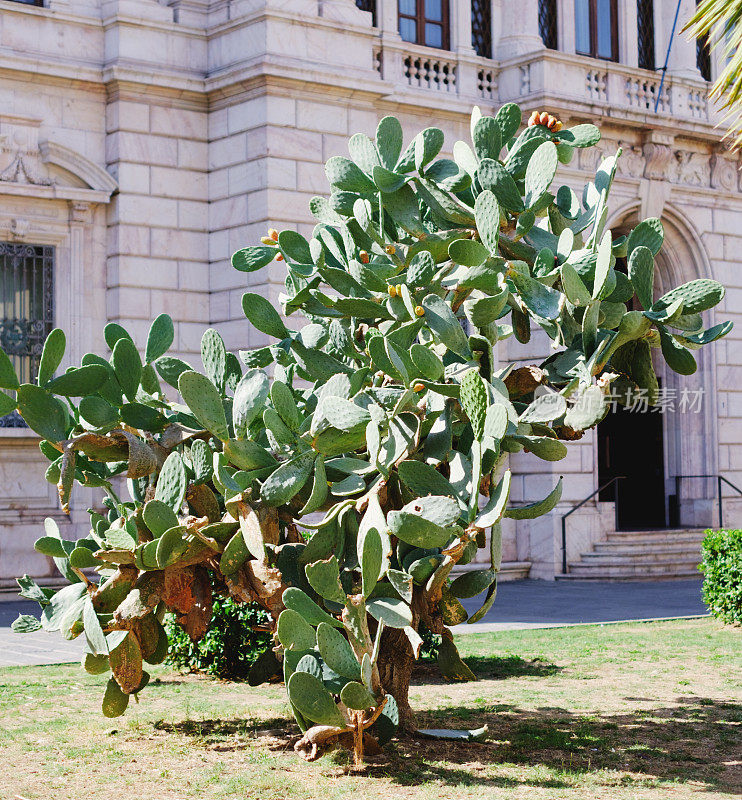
722, 569
230, 646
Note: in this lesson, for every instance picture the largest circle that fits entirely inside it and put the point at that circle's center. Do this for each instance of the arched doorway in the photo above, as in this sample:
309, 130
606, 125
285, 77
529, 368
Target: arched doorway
656, 450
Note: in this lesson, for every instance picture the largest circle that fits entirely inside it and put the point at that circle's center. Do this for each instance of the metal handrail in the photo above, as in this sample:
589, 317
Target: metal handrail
613, 481
720, 479
719, 496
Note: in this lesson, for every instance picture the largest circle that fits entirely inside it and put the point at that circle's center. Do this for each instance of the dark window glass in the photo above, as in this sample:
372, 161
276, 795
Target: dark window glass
547, 23
39, 3
703, 55
596, 28
582, 26
424, 22
645, 33
26, 309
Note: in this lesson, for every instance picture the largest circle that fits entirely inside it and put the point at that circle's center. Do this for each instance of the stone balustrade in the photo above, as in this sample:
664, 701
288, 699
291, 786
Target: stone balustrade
547, 78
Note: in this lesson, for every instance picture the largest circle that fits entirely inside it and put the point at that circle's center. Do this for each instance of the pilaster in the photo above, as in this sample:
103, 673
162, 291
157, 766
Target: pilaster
566, 25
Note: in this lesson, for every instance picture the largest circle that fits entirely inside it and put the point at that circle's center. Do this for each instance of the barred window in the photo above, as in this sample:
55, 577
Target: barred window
481, 27
547, 23
645, 32
368, 5
703, 57
424, 22
26, 309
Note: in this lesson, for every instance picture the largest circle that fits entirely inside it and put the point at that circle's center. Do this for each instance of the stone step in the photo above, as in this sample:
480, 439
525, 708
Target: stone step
630, 576
653, 554
655, 536
638, 558
632, 571
629, 548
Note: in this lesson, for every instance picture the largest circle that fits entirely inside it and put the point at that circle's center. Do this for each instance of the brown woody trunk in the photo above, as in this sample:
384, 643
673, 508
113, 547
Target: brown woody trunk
396, 663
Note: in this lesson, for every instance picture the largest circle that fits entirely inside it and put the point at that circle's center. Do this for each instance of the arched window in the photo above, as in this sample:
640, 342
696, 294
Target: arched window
645, 33
596, 28
424, 22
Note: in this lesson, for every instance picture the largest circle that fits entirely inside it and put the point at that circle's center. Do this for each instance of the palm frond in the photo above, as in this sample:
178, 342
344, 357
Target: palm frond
721, 22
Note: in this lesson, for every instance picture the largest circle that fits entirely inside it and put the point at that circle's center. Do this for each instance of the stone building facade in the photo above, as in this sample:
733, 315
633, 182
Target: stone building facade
142, 142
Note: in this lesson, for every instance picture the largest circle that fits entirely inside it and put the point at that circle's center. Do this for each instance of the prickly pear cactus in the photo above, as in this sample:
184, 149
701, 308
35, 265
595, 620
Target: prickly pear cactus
341, 492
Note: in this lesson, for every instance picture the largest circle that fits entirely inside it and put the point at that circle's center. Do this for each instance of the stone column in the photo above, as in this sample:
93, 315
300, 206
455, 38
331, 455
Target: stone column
519, 32
460, 16
566, 25
387, 18
467, 64
682, 61
628, 35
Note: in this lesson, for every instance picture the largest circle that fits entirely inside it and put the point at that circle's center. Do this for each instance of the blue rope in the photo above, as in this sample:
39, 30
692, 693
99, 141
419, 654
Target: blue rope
667, 56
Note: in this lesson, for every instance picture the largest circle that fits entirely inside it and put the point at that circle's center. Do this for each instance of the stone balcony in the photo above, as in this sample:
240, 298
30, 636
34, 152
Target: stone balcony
577, 86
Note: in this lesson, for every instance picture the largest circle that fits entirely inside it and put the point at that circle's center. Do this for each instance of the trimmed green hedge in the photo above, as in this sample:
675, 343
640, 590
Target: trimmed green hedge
722, 569
230, 646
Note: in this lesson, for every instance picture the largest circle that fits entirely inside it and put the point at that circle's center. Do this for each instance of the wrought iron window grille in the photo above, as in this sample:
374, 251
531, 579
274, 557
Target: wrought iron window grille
481, 27
645, 33
547, 23
26, 309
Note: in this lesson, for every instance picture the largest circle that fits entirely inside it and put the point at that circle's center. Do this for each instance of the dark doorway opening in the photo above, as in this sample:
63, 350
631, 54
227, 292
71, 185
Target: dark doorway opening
630, 444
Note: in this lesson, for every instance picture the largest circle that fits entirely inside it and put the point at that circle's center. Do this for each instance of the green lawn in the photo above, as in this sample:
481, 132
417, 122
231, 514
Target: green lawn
622, 712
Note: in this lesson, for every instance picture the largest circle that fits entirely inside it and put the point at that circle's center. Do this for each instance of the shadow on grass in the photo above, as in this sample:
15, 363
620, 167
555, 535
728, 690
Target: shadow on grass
232, 734
697, 740
489, 667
